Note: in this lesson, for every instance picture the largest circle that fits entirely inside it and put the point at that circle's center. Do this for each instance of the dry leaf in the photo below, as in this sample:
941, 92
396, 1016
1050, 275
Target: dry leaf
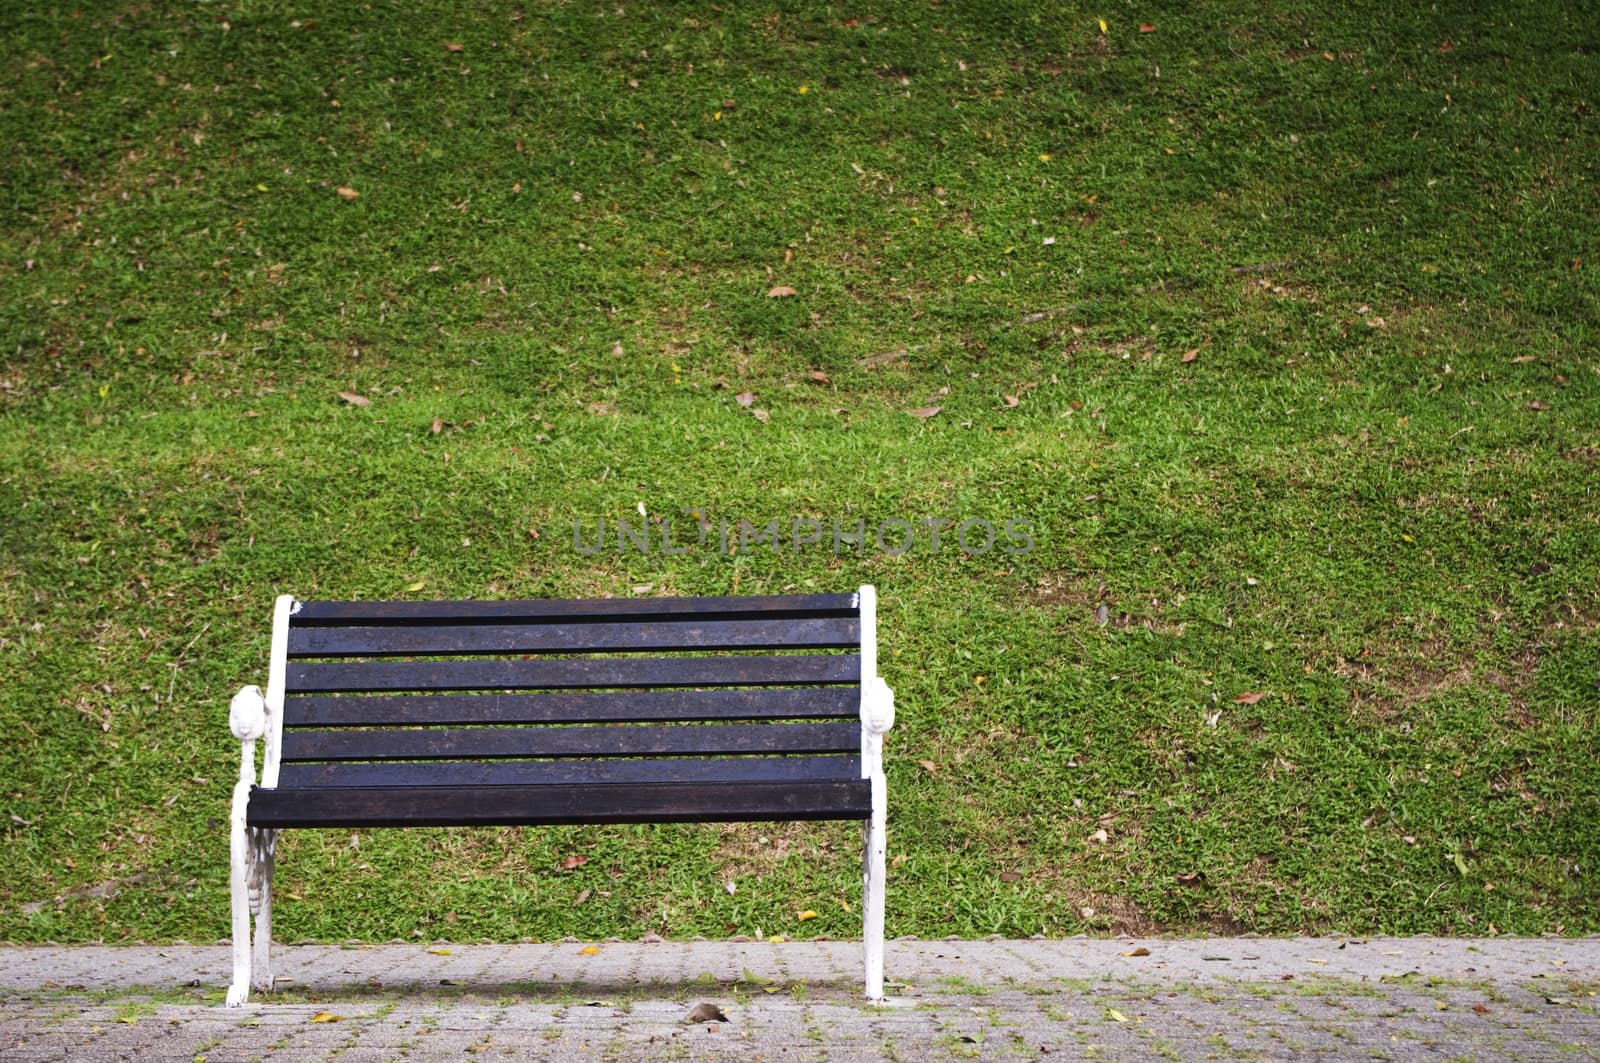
326, 1016
573, 861
589, 950
417, 586
1190, 355
1009, 876
745, 398
347, 193
1140, 951
453, 47
762, 415
437, 426
1012, 401
818, 376
929, 766
925, 412
1537, 405
1187, 878
1249, 697
582, 896
807, 914
705, 1011
780, 291
355, 400
1147, 27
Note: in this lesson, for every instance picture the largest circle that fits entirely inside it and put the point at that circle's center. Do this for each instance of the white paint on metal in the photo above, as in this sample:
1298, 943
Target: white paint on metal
277, 678
252, 716
247, 720
877, 717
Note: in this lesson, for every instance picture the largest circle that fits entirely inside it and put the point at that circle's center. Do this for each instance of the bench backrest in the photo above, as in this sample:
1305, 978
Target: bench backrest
463, 694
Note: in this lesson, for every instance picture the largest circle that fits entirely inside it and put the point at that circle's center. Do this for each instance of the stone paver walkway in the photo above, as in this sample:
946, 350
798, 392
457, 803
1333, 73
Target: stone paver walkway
1220, 998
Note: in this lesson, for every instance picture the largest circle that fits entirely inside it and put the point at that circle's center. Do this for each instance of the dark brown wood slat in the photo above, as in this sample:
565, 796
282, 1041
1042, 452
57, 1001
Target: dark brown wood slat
814, 703
376, 676
570, 772
459, 806
630, 636
640, 741
575, 611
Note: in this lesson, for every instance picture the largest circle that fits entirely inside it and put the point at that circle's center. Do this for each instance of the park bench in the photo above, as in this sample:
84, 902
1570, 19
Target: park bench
644, 710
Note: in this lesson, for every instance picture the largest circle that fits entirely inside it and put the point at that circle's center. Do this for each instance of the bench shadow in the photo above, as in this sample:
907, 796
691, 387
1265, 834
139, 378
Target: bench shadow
588, 993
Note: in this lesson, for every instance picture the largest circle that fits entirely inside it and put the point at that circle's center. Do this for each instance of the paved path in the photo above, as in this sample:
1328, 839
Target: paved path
1220, 998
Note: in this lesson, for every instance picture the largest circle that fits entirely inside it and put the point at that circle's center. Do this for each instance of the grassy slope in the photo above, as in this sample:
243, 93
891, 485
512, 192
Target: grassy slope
1370, 496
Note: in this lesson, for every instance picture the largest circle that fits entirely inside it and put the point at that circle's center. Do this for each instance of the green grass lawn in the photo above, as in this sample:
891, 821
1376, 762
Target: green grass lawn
1278, 325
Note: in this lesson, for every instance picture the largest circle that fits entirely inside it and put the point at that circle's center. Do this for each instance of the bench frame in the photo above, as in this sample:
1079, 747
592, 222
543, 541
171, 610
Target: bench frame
256, 716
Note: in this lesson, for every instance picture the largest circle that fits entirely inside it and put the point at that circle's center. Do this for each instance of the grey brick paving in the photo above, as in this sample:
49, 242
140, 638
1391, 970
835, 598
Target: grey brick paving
1225, 999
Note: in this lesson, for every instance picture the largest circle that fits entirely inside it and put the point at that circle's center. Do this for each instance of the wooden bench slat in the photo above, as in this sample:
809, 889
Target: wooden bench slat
624, 637
639, 741
377, 676
450, 806
840, 703
575, 610
570, 772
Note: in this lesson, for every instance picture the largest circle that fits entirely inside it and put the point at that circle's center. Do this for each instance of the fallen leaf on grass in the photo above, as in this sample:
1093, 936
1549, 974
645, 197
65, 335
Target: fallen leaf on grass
1249, 697
416, 586
354, 399
817, 376
326, 1016
1010, 876
1537, 405
745, 398
453, 47
1012, 401
437, 426
762, 415
1188, 878
1190, 355
347, 193
780, 291
1147, 27
929, 766
575, 860
807, 914
925, 412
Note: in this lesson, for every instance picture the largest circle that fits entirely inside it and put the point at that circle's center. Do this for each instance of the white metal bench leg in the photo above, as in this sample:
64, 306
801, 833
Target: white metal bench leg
877, 717
263, 846
239, 991
873, 891
247, 719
